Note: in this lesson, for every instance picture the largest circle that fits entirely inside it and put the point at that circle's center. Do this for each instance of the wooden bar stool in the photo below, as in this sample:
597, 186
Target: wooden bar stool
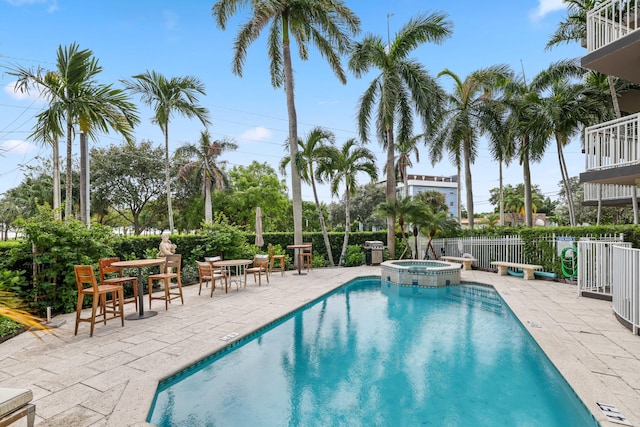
106, 273
87, 285
273, 258
171, 271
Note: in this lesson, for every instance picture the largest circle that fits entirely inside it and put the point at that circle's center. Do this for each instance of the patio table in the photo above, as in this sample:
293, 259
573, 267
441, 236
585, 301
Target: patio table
139, 263
240, 267
297, 249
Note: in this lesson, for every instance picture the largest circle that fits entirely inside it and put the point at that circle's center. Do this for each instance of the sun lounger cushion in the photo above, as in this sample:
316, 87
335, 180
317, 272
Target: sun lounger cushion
12, 399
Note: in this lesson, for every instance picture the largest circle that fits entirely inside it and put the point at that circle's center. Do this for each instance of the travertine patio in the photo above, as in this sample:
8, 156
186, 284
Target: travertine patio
110, 379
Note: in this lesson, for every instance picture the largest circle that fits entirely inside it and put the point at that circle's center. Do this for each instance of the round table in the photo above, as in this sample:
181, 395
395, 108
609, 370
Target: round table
139, 263
239, 264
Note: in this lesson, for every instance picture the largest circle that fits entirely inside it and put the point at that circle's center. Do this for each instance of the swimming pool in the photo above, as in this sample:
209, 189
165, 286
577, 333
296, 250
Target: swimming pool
369, 355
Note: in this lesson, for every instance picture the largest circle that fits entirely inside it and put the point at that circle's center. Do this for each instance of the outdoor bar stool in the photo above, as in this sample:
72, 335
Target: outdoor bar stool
106, 271
273, 258
85, 276
171, 271
305, 258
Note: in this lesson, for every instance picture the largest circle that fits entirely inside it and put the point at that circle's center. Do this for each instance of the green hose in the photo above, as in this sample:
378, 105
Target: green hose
569, 263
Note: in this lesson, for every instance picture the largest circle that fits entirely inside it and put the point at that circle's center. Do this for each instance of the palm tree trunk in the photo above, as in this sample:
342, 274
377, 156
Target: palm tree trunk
208, 214
501, 195
567, 186
56, 179
347, 221
323, 226
467, 182
459, 195
167, 175
391, 193
526, 176
68, 185
296, 190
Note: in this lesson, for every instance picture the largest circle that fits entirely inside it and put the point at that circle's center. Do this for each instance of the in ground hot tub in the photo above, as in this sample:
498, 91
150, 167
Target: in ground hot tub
424, 273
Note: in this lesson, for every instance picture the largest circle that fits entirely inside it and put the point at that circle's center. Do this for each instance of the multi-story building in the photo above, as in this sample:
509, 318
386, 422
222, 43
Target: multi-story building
612, 149
447, 185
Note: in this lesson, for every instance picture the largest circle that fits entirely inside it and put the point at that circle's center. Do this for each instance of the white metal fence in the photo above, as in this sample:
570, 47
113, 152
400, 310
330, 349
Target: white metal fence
610, 21
596, 266
626, 292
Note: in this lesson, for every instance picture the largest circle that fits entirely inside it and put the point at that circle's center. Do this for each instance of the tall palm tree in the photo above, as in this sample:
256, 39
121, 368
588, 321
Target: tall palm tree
343, 168
316, 149
167, 97
561, 113
328, 24
472, 110
403, 87
75, 98
204, 160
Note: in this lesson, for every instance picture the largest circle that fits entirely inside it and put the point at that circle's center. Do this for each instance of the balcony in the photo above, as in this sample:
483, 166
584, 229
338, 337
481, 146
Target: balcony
613, 40
612, 152
609, 194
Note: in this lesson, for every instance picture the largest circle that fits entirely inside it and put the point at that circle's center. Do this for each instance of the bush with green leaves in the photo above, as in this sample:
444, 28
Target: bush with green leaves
354, 256
55, 247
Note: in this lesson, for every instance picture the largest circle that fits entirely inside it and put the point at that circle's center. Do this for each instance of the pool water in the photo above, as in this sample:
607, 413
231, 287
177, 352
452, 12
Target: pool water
367, 355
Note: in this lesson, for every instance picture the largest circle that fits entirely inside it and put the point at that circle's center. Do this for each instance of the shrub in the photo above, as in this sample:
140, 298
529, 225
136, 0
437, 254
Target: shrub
354, 256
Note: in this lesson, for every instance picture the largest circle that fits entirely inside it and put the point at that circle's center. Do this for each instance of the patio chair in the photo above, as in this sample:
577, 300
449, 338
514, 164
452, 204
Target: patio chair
171, 271
260, 265
87, 285
272, 258
106, 277
207, 273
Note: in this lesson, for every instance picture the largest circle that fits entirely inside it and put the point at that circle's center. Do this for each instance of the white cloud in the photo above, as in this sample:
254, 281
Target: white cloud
10, 90
258, 133
52, 4
545, 7
16, 146
170, 20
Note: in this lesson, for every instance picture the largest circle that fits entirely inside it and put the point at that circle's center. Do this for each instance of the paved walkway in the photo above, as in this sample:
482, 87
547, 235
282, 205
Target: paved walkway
110, 379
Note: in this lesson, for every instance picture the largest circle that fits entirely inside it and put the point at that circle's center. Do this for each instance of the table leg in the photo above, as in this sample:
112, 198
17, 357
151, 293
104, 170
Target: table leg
297, 255
141, 313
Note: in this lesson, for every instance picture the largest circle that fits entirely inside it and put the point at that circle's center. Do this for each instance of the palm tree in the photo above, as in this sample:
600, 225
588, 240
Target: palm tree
205, 161
167, 97
75, 98
403, 208
472, 110
316, 149
328, 24
402, 87
405, 148
431, 223
562, 113
344, 166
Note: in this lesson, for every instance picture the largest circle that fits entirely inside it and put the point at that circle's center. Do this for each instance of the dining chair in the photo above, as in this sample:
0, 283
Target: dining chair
207, 273
260, 265
211, 260
87, 285
172, 266
113, 276
305, 257
273, 258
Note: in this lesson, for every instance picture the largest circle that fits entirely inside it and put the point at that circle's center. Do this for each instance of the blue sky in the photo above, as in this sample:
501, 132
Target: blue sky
180, 38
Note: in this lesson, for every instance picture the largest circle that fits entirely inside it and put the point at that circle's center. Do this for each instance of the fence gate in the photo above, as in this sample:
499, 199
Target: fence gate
595, 267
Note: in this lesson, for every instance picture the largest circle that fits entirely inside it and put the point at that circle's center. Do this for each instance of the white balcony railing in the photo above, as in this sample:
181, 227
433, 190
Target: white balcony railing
613, 143
605, 192
610, 21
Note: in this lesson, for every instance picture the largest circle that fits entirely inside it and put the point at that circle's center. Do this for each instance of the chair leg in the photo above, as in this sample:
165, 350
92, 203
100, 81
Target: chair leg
167, 299
150, 286
78, 311
94, 309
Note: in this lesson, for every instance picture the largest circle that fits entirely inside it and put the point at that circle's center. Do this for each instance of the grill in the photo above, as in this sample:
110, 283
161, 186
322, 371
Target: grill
373, 251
